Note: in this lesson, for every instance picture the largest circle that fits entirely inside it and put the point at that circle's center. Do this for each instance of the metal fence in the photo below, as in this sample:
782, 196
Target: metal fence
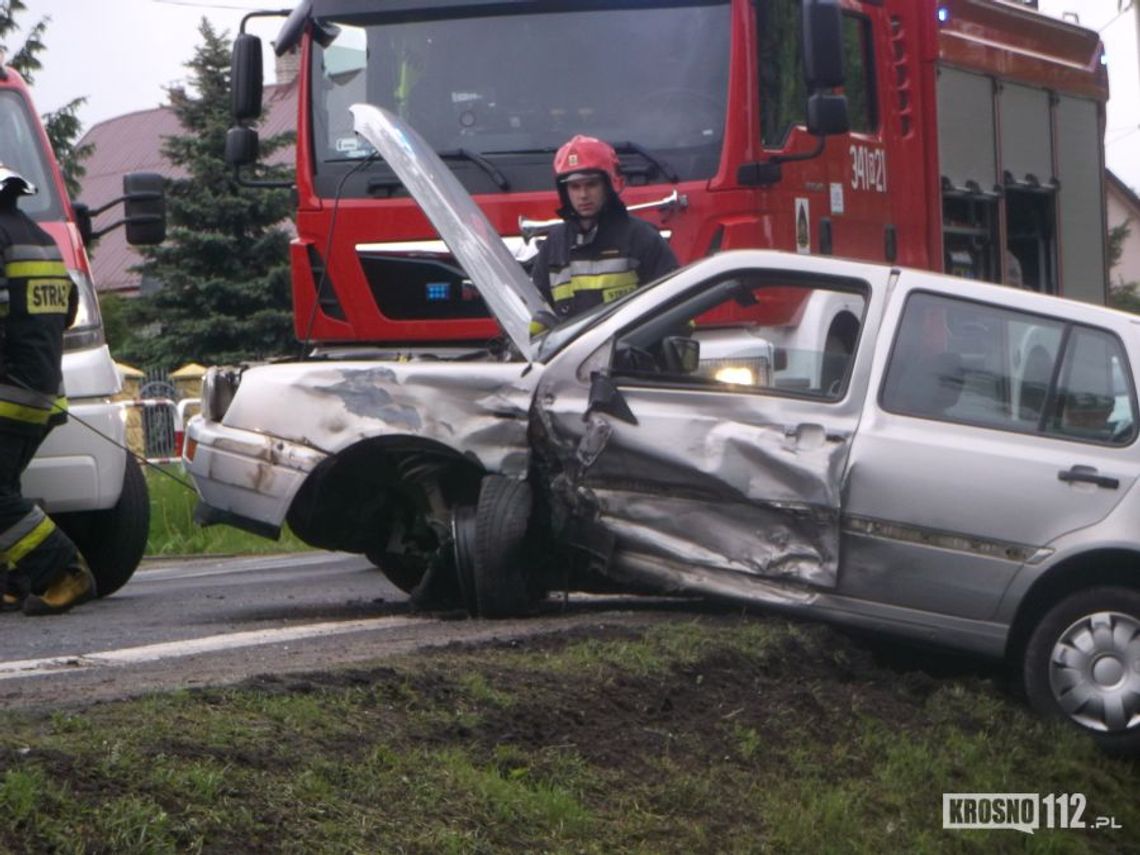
157, 417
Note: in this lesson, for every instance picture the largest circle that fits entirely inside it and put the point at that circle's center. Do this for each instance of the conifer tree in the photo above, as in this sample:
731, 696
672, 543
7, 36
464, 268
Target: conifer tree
224, 292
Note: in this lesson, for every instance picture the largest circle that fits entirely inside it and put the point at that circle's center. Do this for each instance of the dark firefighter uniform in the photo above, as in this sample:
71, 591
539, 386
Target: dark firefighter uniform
577, 270
38, 302
587, 261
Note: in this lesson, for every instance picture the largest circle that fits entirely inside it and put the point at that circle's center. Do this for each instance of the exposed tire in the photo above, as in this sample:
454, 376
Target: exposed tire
463, 555
113, 540
500, 579
1082, 663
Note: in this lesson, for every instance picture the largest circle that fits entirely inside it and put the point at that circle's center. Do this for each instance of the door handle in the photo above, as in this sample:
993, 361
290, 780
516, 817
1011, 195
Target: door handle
1088, 475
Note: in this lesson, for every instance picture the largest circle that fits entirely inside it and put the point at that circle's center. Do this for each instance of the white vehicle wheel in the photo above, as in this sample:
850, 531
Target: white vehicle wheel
1082, 662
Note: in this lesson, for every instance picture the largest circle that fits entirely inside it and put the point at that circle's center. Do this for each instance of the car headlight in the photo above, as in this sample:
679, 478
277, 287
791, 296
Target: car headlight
87, 331
218, 389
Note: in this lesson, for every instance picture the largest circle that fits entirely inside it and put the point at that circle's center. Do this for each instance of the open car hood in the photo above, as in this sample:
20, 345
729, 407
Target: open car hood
480, 251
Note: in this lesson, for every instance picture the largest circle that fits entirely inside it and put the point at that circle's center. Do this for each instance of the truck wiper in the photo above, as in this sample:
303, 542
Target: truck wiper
636, 148
480, 161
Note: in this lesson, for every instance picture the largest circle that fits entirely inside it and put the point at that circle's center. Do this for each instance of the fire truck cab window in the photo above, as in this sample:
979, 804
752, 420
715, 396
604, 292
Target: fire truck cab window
783, 92
511, 87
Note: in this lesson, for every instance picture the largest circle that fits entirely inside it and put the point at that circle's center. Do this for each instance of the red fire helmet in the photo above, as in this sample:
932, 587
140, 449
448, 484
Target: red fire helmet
583, 155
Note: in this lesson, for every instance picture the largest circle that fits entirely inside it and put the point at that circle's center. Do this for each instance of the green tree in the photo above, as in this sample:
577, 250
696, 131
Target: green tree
1121, 295
224, 275
63, 126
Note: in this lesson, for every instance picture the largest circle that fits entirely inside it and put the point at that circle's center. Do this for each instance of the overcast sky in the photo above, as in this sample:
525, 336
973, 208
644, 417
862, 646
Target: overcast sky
121, 54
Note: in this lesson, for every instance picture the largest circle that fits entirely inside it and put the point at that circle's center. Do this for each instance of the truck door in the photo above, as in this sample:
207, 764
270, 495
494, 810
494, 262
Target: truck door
836, 203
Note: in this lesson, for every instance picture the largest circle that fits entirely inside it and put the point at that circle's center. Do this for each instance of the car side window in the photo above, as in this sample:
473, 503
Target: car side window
749, 333
959, 361
1093, 398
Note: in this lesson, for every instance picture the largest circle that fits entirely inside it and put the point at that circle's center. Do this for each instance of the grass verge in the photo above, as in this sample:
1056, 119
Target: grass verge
710, 734
174, 532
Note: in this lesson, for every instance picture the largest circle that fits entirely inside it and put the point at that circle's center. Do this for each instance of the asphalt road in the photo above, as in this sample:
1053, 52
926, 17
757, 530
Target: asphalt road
215, 621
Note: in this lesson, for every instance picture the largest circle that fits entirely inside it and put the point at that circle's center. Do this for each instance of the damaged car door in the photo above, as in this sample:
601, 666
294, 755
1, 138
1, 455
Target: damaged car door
701, 447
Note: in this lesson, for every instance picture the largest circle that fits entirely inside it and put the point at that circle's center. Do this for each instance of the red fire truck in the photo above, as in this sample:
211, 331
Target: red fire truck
957, 135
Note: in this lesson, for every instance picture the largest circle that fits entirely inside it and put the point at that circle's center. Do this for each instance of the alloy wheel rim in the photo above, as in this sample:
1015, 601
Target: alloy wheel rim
1094, 671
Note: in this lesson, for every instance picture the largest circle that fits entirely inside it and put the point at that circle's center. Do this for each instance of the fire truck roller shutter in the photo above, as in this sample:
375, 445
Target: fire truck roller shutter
966, 130
1026, 134
1082, 220
1026, 121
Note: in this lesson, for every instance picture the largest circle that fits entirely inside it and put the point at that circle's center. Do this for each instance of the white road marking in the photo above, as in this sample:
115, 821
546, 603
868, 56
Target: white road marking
195, 646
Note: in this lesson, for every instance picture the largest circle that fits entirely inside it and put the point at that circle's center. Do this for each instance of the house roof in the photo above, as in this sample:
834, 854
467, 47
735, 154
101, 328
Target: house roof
133, 143
1127, 194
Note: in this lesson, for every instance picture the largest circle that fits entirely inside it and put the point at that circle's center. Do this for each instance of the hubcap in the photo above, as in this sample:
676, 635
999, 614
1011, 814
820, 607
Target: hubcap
1094, 671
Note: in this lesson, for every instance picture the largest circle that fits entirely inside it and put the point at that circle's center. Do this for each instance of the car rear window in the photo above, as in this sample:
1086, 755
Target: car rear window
974, 363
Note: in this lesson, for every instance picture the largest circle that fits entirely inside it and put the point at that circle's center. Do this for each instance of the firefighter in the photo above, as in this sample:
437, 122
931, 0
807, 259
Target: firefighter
45, 573
600, 252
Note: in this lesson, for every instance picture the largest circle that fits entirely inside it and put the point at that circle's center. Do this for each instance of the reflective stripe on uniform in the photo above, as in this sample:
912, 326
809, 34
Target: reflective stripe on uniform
612, 286
39, 269
29, 532
44, 276
25, 405
590, 267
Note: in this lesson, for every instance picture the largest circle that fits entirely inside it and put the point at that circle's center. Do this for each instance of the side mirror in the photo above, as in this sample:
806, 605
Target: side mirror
241, 146
144, 198
606, 398
827, 115
245, 77
823, 44
83, 222
682, 355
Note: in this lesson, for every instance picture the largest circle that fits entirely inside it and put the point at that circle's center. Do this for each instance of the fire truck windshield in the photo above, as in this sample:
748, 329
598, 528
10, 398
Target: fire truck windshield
511, 88
20, 150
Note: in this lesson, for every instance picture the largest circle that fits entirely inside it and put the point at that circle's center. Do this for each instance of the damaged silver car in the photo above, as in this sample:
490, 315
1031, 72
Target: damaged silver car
890, 449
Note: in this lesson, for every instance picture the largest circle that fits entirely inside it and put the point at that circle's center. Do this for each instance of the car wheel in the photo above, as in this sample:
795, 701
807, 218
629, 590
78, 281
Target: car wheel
463, 554
113, 540
499, 573
1082, 662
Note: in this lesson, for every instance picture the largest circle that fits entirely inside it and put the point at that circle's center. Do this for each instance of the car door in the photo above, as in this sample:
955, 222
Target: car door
997, 428
710, 435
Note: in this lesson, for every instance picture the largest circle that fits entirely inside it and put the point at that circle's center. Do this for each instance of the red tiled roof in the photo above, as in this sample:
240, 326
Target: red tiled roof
133, 143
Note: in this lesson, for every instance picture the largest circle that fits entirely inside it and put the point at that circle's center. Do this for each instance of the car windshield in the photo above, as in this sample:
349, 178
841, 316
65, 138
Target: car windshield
510, 88
21, 151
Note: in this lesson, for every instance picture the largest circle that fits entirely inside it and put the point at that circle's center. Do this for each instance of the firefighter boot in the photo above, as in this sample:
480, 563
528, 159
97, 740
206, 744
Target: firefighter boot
72, 587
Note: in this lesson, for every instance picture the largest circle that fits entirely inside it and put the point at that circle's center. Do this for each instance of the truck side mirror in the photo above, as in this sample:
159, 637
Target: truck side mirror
83, 222
144, 205
827, 114
241, 146
245, 77
823, 44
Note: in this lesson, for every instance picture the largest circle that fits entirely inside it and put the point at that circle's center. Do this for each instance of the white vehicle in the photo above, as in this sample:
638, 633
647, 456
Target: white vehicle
82, 474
